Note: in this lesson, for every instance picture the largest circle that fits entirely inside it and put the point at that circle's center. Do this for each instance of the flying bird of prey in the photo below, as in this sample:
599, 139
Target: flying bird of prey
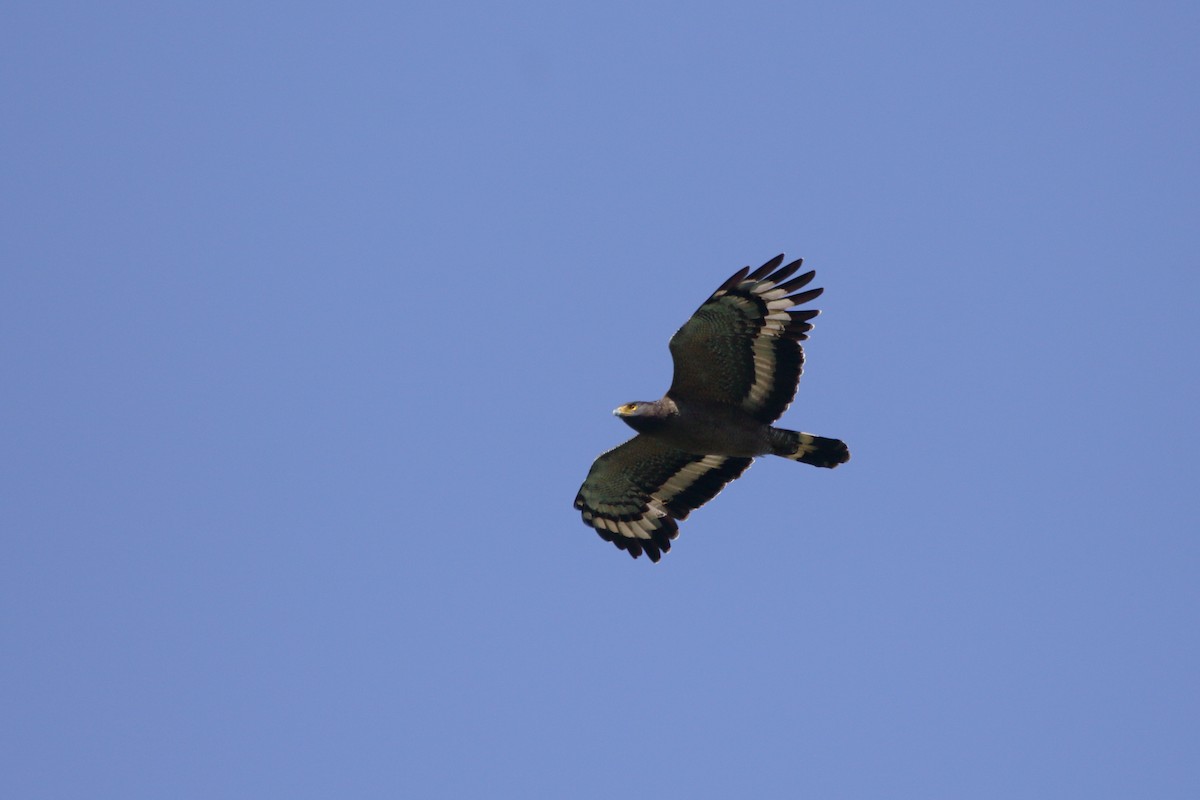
737, 364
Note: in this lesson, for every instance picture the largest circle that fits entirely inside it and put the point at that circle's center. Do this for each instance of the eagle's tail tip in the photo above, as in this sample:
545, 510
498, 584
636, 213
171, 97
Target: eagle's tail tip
808, 448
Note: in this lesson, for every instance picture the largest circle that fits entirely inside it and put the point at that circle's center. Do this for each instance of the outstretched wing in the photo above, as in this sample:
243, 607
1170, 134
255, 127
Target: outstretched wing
635, 492
742, 346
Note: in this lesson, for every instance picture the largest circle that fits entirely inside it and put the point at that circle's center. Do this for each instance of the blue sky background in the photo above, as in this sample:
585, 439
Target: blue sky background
313, 315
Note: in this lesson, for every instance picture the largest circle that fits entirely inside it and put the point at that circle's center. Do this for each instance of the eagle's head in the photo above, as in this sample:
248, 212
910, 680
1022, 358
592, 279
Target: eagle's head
646, 416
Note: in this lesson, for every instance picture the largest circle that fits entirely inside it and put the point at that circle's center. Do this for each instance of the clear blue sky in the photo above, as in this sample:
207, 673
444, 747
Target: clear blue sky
312, 317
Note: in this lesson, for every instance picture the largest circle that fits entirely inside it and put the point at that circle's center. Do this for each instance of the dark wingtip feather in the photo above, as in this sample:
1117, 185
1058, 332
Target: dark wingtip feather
733, 281
786, 271
797, 330
802, 281
804, 297
765, 269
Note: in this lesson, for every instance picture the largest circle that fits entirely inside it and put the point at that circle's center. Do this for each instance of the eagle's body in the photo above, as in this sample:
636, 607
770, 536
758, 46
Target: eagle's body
700, 427
737, 364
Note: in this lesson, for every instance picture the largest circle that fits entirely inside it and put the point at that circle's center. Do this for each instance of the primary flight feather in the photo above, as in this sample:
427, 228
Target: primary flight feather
737, 364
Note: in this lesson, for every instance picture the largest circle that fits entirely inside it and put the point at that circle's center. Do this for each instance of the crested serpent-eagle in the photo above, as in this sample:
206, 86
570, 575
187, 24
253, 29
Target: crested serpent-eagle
737, 364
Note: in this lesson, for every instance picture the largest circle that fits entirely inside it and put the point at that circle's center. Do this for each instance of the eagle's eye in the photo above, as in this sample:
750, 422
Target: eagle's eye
628, 408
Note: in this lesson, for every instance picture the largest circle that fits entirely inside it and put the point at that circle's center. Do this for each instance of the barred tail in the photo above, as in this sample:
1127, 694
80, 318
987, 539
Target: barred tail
809, 449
